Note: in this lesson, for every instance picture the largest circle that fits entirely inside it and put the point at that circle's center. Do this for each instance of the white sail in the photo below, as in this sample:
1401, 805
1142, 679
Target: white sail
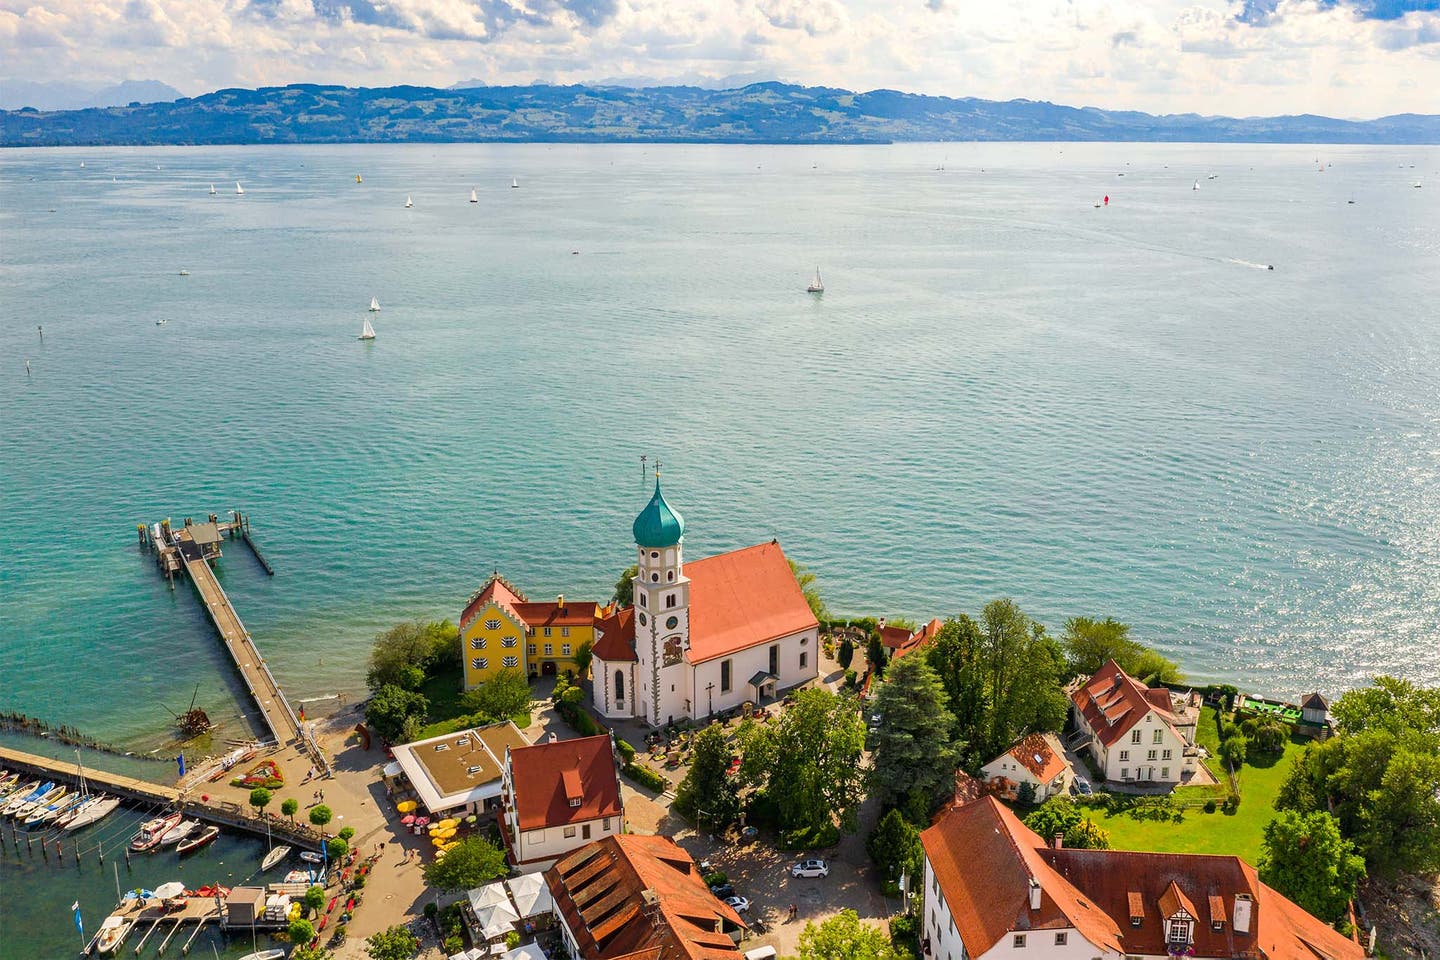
1197, 185
374, 304
239, 190
473, 197
408, 202
514, 183
367, 332
212, 189
816, 285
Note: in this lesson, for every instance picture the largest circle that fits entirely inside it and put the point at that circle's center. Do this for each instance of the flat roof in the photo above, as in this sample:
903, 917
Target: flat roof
460, 768
204, 533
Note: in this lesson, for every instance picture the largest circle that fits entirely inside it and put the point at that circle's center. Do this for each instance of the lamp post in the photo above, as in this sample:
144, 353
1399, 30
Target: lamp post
710, 693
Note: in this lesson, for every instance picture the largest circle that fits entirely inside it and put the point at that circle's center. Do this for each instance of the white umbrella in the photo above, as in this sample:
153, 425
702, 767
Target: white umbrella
167, 890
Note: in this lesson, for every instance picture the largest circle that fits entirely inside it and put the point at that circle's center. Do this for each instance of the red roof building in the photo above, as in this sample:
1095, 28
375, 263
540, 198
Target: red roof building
992, 884
640, 898
1039, 760
1136, 733
558, 796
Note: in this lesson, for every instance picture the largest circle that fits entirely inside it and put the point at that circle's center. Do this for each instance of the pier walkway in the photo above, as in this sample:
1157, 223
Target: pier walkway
192, 547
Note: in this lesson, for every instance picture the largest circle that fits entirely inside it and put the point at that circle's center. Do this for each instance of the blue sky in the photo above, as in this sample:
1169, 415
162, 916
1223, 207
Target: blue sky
1358, 58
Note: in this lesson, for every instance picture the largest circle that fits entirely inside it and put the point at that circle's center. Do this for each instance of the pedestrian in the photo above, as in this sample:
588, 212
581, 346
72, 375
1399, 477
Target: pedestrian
792, 911
322, 795
382, 849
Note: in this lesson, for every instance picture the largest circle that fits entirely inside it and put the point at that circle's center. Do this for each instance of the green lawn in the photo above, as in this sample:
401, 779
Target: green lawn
1201, 832
447, 712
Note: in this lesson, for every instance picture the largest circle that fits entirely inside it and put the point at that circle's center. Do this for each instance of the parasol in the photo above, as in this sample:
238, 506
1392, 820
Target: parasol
408, 819
406, 806
447, 833
448, 822
167, 890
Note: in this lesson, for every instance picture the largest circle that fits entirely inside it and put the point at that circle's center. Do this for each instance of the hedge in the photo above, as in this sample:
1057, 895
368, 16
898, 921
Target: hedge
627, 752
646, 777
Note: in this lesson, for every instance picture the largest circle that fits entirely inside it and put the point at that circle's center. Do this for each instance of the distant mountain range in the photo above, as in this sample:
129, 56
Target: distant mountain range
758, 113
17, 94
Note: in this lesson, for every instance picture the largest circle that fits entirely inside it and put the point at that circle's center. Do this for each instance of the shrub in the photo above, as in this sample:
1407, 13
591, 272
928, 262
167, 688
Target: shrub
301, 931
360, 881
1210, 806
904, 931
431, 910
1231, 804
850, 679
715, 877
646, 777
453, 944
627, 752
512, 940
1233, 750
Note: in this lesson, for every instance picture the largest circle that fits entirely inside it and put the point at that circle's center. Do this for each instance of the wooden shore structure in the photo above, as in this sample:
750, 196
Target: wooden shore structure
191, 549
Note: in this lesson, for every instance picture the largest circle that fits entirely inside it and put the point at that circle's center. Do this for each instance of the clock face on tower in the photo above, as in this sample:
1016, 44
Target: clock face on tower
671, 623
672, 651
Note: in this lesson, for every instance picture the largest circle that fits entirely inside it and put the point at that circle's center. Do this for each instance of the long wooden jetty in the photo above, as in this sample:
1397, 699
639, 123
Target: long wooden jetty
221, 812
192, 548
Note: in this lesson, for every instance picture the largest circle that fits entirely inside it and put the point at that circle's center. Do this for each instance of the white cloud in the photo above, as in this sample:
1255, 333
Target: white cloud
1159, 55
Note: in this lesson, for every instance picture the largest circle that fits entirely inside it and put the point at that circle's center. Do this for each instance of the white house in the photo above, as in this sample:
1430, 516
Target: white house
1039, 760
993, 890
1137, 734
704, 636
559, 796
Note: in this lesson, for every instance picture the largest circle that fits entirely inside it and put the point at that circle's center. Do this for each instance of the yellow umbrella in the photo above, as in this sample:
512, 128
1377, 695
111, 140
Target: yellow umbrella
450, 846
447, 833
406, 806
435, 830
437, 841
448, 822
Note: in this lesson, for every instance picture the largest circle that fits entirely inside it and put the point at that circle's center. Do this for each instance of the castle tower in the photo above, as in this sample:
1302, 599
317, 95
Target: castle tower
662, 605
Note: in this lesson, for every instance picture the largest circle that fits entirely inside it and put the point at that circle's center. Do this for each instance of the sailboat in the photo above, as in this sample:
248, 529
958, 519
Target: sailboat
474, 198
212, 189
367, 332
514, 184
374, 304
1197, 185
816, 285
408, 202
274, 857
99, 808
239, 190
359, 179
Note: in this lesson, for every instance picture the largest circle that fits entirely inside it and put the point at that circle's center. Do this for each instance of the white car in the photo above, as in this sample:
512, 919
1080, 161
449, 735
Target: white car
810, 868
738, 904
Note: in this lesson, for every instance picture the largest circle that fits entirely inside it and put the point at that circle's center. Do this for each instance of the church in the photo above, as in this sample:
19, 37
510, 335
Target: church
704, 636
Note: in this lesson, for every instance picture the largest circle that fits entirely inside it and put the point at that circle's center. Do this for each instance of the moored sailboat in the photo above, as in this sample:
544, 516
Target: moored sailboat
97, 809
274, 857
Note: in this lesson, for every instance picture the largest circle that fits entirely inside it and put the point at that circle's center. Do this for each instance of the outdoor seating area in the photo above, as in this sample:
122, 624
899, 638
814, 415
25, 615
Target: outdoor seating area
520, 908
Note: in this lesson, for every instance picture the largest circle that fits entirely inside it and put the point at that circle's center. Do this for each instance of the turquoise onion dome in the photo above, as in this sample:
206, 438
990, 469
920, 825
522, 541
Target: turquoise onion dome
658, 525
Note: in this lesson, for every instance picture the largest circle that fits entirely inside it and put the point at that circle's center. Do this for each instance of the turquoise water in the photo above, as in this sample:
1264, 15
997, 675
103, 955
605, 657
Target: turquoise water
1003, 391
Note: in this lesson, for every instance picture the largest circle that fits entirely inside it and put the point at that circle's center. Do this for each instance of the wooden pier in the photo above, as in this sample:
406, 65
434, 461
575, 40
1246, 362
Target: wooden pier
192, 548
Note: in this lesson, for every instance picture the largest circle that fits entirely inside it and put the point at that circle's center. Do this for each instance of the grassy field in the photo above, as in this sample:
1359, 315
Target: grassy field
1202, 832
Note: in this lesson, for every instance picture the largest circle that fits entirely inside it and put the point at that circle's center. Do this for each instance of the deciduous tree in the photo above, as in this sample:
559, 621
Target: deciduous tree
473, 863
505, 695
844, 937
808, 761
389, 709
913, 747
290, 807
1059, 816
625, 586
1307, 859
401, 655
1089, 644
301, 930
806, 580
259, 799
708, 793
320, 815
395, 943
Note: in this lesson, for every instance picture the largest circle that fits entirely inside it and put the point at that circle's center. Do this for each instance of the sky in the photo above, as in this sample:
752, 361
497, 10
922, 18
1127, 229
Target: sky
1348, 58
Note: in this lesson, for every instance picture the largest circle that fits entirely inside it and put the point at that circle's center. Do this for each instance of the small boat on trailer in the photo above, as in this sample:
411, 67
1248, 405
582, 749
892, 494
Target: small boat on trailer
197, 841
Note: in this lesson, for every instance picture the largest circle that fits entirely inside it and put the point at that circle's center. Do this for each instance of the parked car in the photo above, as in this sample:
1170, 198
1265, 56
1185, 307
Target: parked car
810, 868
738, 904
1082, 787
723, 890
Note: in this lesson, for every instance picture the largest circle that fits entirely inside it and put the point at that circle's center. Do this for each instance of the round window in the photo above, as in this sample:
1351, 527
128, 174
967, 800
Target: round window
654, 554
654, 578
642, 619
672, 622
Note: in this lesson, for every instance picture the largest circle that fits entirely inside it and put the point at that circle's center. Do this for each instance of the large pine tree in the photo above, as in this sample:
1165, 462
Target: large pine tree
914, 750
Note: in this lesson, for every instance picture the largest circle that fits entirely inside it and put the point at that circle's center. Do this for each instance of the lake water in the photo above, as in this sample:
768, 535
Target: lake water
1003, 391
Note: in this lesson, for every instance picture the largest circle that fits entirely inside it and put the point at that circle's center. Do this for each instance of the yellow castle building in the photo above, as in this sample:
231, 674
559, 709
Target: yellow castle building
501, 630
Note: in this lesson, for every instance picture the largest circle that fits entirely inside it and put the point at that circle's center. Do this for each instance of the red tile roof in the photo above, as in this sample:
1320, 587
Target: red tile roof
1112, 702
919, 639
601, 891
575, 613
1040, 754
1099, 891
894, 637
498, 589
743, 598
988, 904
546, 776
616, 640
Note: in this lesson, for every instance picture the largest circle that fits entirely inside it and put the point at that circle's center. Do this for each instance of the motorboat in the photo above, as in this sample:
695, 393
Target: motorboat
30, 806
111, 933
13, 799
90, 813
149, 836
179, 832
199, 840
264, 955
310, 856
274, 857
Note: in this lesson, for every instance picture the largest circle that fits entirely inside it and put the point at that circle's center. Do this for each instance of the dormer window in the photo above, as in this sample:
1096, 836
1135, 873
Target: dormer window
575, 801
1179, 931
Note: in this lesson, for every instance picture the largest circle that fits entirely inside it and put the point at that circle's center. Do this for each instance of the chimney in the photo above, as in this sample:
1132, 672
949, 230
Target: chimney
1034, 894
880, 623
1059, 841
1243, 907
560, 601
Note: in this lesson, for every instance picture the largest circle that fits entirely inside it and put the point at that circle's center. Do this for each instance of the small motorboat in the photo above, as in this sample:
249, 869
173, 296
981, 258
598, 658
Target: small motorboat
264, 955
149, 836
310, 856
274, 857
197, 841
92, 812
112, 932
184, 272
53, 795
162, 321
178, 832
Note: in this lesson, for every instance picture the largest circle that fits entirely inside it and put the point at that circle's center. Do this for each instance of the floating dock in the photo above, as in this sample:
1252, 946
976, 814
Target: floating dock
192, 548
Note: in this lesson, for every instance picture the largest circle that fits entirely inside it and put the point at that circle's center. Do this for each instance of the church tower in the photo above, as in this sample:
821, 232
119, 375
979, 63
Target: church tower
662, 612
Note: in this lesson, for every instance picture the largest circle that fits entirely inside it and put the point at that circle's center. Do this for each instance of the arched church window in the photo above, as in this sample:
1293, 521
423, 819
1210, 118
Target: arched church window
619, 684
670, 576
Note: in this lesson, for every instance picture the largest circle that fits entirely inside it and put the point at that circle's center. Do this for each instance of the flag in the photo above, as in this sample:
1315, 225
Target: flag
78, 924
181, 760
